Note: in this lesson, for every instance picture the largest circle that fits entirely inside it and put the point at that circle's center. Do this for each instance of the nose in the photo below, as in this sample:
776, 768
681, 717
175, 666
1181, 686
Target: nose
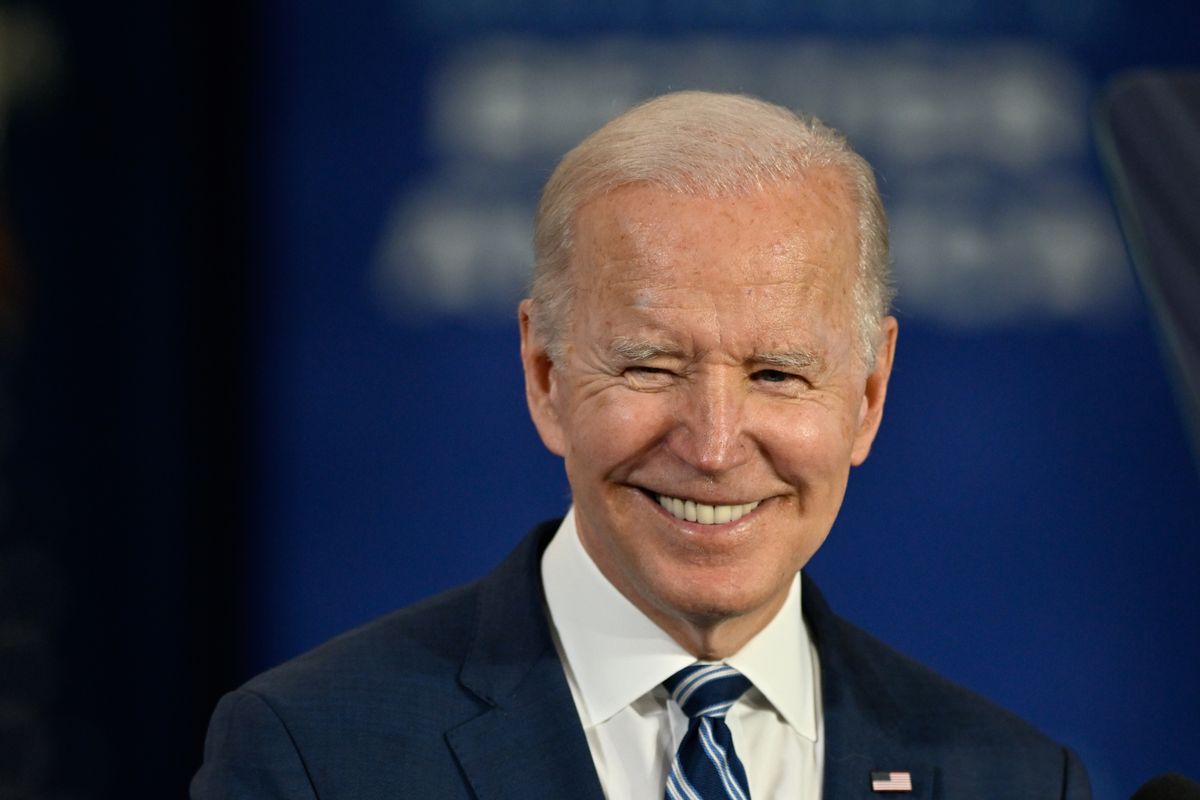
709, 433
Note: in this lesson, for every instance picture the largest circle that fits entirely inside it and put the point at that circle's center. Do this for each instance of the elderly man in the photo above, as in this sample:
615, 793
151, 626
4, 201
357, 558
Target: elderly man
707, 347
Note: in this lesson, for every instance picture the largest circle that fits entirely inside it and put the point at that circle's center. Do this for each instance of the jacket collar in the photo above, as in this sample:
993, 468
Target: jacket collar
863, 717
530, 741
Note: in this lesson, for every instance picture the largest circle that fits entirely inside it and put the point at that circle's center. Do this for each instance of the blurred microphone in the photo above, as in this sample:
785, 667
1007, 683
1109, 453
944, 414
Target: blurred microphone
1171, 786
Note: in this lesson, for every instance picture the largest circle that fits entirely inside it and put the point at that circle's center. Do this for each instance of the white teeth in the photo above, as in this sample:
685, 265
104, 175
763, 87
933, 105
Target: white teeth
704, 513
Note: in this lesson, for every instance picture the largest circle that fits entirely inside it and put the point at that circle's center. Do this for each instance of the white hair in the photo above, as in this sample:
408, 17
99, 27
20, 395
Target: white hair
708, 144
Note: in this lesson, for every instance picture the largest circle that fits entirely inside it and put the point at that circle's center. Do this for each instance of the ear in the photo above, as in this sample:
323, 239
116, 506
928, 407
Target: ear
541, 383
875, 392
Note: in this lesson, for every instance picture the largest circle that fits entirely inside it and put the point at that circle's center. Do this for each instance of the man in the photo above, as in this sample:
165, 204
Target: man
707, 346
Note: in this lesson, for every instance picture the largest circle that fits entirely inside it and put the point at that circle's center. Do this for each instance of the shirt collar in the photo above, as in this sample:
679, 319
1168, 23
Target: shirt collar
617, 654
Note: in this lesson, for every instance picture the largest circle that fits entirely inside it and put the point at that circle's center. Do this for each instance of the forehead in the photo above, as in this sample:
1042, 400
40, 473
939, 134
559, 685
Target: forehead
791, 249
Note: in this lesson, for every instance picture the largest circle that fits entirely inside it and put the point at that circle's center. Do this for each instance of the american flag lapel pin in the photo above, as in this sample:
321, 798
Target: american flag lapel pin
891, 782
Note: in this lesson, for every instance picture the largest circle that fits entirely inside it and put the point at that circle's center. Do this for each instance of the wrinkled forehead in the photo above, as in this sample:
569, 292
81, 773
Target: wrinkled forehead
643, 233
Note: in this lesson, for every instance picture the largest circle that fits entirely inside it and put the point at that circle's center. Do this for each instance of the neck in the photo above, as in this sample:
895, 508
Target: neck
714, 639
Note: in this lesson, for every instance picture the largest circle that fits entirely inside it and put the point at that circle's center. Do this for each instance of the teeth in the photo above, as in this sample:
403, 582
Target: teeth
704, 513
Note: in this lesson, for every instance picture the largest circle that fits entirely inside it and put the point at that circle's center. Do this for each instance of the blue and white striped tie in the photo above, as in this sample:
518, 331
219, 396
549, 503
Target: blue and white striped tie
706, 767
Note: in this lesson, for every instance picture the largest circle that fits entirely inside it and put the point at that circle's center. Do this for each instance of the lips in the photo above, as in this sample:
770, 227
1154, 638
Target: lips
703, 513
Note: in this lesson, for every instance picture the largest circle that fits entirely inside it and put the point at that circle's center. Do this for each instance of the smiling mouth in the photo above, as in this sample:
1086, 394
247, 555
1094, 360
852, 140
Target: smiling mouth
703, 513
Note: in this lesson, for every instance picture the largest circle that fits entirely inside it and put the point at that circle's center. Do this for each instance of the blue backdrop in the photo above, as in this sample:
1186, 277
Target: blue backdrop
1027, 523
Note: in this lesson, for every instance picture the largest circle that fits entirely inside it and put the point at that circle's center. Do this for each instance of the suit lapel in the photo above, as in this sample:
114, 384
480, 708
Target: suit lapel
862, 720
852, 753
531, 746
530, 742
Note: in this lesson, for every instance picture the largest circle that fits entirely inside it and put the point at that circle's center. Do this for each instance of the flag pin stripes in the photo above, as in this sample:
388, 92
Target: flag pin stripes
891, 782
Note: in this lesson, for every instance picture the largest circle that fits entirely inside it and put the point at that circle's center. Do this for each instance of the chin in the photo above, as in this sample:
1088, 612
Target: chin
717, 595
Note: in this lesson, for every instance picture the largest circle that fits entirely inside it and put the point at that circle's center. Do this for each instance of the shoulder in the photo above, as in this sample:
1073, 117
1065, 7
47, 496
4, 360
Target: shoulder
367, 705
427, 639
382, 694
403, 672
879, 701
422, 647
925, 699
367, 713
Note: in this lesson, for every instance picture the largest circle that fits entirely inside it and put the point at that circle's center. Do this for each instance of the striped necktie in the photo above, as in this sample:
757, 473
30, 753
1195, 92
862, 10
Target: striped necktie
706, 767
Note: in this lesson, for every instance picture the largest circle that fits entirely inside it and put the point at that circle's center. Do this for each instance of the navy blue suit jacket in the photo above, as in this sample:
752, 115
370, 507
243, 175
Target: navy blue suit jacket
464, 696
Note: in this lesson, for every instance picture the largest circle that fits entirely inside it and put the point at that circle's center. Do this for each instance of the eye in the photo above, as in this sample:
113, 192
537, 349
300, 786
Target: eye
644, 377
780, 381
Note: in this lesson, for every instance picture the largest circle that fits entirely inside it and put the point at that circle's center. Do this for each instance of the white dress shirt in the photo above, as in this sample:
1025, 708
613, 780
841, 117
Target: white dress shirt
616, 659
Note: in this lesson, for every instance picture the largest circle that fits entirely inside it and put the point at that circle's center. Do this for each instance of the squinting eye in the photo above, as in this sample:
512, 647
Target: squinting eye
772, 375
642, 377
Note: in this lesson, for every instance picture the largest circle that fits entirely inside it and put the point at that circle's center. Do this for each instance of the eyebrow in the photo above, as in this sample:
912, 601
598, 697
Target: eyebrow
643, 350
790, 359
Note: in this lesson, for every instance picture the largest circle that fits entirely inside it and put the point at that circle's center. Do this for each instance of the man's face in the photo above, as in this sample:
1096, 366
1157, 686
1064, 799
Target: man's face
710, 399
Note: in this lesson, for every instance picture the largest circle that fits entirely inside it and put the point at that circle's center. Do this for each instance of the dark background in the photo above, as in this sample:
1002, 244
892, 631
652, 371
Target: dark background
224, 439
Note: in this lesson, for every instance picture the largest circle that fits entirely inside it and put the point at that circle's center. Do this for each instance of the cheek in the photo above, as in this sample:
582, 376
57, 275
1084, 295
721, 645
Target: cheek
616, 425
808, 444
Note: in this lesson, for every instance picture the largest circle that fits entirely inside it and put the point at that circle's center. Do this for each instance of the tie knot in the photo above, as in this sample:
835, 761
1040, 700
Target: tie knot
706, 690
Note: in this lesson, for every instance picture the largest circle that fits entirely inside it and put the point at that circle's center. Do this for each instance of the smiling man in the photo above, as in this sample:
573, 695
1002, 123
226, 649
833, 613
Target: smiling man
707, 347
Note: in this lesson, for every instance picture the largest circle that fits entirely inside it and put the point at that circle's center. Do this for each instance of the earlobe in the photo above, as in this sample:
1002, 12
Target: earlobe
540, 382
870, 413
